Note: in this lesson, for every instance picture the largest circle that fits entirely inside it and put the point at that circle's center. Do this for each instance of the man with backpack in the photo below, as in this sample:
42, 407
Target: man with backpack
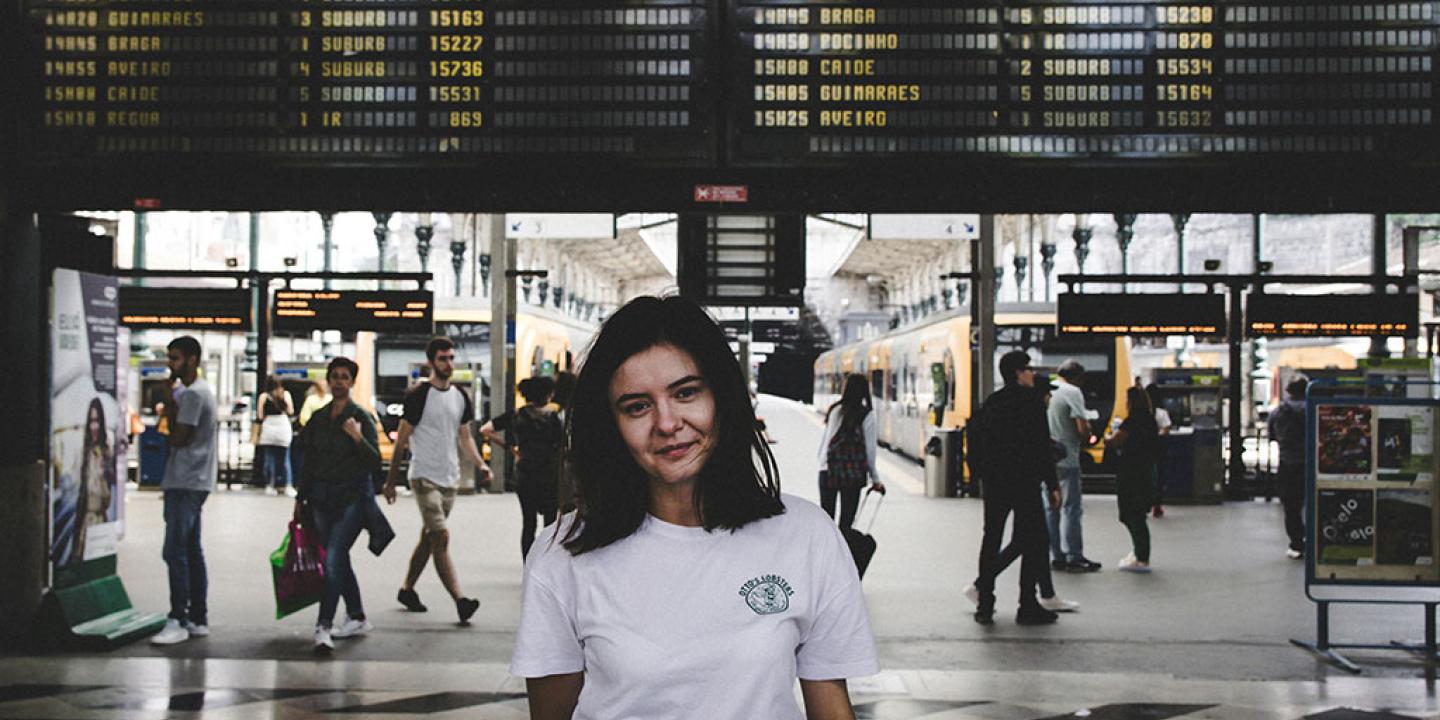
1009, 448
436, 422
536, 439
1287, 427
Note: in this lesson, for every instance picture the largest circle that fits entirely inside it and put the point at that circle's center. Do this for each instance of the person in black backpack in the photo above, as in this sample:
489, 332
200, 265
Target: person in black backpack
536, 439
847, 450
1010, 449
1287, 427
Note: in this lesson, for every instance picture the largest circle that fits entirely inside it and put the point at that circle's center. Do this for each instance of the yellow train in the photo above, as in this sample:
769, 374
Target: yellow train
922, 376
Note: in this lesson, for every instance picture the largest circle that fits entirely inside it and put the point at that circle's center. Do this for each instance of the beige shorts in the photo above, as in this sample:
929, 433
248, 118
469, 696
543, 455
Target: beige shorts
435, 503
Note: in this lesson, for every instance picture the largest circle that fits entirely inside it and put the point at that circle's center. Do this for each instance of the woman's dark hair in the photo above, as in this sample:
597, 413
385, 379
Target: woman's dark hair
1137, 401
537, 390
96, 409
854, 402
342, 362
740, 481
564, 389
271, 383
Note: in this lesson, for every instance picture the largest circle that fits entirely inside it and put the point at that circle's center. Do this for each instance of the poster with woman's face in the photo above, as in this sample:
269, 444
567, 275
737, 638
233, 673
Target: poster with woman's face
86, 431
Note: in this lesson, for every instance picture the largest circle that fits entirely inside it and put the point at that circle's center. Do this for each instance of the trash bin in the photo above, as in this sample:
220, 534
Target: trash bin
153, 454
943, 467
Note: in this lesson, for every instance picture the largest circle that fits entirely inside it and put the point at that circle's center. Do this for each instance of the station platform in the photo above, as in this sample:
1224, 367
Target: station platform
1206, 635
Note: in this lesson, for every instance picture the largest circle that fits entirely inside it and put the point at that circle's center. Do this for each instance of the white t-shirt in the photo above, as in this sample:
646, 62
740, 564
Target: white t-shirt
675, 622
436, 416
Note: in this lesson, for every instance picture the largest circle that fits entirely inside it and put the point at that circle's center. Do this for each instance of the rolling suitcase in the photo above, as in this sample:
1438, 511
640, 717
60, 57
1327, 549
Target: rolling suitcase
862, 544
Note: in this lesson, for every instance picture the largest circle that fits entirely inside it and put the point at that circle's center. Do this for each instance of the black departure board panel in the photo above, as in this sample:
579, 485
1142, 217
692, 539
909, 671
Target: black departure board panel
1141, 314
353, 310
361, 81
185, 308
1134, 80
494, 103
1332, 315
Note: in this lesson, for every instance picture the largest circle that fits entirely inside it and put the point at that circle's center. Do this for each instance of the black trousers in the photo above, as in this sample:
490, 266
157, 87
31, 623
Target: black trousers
849, 502
536, 498
1030, 536
1291, 477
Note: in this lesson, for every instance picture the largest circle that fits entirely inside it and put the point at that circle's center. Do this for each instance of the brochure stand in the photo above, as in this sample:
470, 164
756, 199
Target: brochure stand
1372, 518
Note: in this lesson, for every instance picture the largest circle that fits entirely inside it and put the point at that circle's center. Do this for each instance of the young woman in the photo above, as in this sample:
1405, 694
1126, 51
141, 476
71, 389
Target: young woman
1138, 440
273, 445
97, 478
336, 486
687, 585
536, 433
847, 450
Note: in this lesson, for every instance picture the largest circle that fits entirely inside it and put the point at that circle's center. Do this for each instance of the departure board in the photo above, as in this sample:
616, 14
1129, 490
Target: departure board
351, 310
1215, 105
361, 81
835, 81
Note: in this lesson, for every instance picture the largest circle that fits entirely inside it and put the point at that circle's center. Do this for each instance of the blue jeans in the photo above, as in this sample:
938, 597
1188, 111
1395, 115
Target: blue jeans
184, 557
275, 464
338, 531
1066, 517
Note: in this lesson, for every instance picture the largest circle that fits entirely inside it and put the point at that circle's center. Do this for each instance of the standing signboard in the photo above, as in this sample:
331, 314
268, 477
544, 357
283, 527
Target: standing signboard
1372, 518
85, 475
86, 422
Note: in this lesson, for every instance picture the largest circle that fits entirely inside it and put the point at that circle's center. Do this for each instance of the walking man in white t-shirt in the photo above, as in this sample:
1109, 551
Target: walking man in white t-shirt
436, 420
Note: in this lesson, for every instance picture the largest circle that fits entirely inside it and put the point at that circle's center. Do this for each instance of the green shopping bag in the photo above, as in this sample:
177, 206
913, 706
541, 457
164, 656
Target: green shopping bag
298, 569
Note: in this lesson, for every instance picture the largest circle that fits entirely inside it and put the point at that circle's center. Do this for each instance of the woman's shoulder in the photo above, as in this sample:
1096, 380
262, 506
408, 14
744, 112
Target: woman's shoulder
802, 515
548, 555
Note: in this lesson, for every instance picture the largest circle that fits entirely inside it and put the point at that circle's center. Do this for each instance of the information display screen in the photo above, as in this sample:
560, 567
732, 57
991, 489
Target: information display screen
1141, 314
185, 308
683, 93
361, 81
1332, 315
349, 311
1132, 79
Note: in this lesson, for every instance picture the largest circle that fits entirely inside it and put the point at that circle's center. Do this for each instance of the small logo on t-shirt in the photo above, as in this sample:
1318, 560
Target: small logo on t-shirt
767, 594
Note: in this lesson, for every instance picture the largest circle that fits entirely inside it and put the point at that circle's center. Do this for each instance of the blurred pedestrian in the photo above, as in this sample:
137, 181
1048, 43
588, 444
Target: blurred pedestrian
273, 444
537, 438
337, 489
1286, 426
1070, 425
847, 450
1138, 442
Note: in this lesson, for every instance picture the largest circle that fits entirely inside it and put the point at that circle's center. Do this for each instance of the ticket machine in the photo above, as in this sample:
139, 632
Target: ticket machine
1191, 467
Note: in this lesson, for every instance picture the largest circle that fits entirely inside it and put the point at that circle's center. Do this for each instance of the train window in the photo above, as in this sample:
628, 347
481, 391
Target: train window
877, 383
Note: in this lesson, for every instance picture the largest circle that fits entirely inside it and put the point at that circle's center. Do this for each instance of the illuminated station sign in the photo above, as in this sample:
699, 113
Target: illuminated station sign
681, 93
1332, 315
1137, 314
144, 308
348, 310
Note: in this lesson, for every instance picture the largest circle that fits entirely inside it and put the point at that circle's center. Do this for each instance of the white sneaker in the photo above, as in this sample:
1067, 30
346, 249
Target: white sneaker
290, 492
350, 628
972, 594
197, 630
323, 644
1059, 604
172, 633
1294, 554
1130, 564
270, 490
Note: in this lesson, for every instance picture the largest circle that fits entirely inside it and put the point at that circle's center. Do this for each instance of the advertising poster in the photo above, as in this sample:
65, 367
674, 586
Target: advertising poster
86, 433
1402, 528
1405, 436
1345, 447
1345, 527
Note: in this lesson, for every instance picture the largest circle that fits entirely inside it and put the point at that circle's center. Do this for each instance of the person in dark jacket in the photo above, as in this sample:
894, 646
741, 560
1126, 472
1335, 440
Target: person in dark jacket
1287, 427
1012, 438
337, 488
1138, 442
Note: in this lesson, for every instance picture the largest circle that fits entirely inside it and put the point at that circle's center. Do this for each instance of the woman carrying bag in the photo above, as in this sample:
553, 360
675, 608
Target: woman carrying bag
273, 445
847, 450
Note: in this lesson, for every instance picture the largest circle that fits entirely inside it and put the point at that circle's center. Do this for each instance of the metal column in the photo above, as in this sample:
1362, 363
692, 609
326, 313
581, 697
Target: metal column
982, 308
1379, 237
502, 340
